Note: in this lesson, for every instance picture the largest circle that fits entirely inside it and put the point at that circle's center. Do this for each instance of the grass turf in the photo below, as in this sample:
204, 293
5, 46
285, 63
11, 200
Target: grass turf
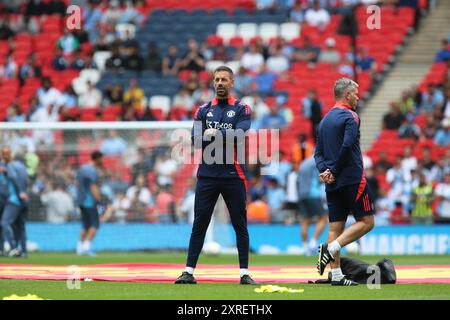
215, 291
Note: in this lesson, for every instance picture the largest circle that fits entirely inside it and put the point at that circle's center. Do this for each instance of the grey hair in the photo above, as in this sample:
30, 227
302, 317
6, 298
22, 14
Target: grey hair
342, 85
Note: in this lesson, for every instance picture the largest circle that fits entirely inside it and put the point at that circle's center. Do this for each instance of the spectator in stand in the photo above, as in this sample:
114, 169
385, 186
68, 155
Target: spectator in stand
346, 67
112, 15
312, 110
6, 32
383, 164
143, 165
406, 103
58, 204
220, 54
278, 63
70, 101
130, 14
409, 129
428, 162
165, 206
394, 118
113, 145
273, 120
365, 62
432, 99
396, 175
165, 169
153, 61
48, 95
193, 60
308, 52
422, 198
302, 149
183, 100
91, 19
252, 60
115, 62
134, 95
9, 70
283, 109
409, 161
296, 13
259, 107
91, 98
317, 16
275, 199
442, 194
443, 55
372, 182
68, 43
140, 199
242, 82
14, 114
262, 83
203, 94
44, 114
78, 62
258, 211
446, 105
330, 54
192, 83
134, 60
120, 207
22, 141
265, 4
113, 94
30, 69
430, 129
59, 62
442, 137
171, 63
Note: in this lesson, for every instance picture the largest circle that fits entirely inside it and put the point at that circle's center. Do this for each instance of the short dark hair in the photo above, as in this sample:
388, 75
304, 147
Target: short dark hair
96, 155
224, 68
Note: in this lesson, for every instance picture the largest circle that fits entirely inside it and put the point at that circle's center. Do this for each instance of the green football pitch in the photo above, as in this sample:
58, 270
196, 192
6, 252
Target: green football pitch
215, 291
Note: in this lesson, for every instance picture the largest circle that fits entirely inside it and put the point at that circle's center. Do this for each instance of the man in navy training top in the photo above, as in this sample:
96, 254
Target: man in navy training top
220, 119
15, 177
339, 161
89, 198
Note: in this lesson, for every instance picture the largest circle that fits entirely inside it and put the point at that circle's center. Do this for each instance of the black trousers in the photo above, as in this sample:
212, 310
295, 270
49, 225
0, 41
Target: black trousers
234, 192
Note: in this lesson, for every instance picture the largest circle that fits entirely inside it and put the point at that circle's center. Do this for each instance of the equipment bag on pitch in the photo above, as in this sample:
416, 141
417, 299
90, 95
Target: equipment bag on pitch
360, 271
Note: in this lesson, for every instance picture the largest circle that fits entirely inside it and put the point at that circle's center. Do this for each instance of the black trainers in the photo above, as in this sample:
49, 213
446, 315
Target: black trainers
186, 278
246, 279
324, 258
344, 282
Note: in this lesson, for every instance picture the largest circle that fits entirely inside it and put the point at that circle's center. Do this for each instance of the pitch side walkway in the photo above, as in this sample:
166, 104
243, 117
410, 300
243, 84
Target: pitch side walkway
140, 272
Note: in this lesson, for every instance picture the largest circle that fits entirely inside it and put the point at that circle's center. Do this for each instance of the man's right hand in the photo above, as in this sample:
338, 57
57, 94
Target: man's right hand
327, 177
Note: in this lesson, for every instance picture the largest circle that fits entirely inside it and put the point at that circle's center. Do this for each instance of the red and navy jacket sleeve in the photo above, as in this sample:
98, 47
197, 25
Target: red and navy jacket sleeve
318, 154
350, 139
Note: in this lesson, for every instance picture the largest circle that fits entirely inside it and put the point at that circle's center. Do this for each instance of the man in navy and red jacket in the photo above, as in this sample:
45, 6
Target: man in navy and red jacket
339, 161
219, 129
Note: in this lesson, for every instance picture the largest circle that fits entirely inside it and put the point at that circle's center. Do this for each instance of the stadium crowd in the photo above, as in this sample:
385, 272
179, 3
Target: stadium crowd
414, 183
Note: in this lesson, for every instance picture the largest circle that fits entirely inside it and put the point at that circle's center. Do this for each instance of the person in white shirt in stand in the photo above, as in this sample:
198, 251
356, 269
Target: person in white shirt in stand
278, 63
47, 95
316, 16
252, 60
91, 98
165, 168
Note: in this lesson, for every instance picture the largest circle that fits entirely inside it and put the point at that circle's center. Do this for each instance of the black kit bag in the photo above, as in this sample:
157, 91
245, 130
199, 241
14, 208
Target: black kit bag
358, 271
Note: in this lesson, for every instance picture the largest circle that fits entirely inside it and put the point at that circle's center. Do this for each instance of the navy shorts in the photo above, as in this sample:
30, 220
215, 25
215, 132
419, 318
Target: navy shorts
90, 218
311, 207
349, 200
